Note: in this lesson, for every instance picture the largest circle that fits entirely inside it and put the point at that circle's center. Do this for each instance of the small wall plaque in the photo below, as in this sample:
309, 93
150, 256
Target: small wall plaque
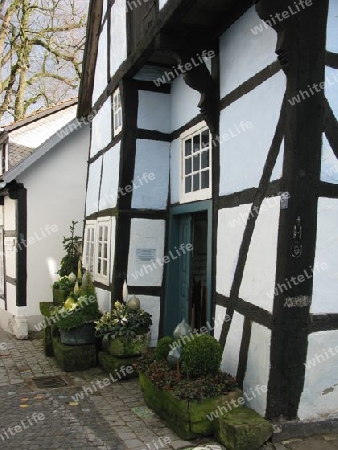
145, 255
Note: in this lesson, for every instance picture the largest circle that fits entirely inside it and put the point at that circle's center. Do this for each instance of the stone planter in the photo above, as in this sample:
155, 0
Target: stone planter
126, 346
188, 418
83, 335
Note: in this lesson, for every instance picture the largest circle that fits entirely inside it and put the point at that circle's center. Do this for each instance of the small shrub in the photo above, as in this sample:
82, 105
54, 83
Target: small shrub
201, 356
163, 348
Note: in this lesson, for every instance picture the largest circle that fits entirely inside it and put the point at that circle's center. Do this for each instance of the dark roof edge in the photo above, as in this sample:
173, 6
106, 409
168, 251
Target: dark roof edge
89, 58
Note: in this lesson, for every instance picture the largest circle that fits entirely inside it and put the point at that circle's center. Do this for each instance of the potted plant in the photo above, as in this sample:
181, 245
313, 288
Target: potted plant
75, 319
62, 288
186, 393
125, 330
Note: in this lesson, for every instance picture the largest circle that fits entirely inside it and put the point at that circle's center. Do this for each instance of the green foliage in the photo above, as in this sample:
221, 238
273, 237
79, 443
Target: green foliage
63, 284
122, 321
85, 309
165, 379
69, 262
163, 347
201, 356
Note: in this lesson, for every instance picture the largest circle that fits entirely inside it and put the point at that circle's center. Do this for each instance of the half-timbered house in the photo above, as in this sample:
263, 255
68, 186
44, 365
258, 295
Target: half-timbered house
212, 182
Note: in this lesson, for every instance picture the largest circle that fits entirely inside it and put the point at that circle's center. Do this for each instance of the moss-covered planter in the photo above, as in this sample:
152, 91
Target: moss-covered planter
126, 346
74, 358
83, 335
188, 418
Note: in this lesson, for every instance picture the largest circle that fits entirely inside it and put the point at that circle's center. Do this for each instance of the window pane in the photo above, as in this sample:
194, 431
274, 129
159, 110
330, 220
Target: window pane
188, 166
105, 233
187, 146
205, 159
99, 265
205, 179
196, 182
196, 162
104, 270
205, 138
196, 143
188, 184
105, 251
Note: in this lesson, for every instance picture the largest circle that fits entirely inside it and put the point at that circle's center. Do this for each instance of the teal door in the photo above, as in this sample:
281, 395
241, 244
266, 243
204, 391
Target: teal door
184, 263
178, 287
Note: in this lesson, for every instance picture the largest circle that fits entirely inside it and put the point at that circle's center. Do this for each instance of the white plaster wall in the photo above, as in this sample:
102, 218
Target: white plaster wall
101, 128
162, 3
258, 368
9, 214
175, 171
259, 279
11, 299
242, 156
332, 27
184, 101
152, 158
56, 187
101, 70
153, 306
231, 224
110, 178
324, 299
11, 250
93, 187
242, 53
230, 358
118, 38
146, 234
104, 299
154, 111
320, 395
329, 167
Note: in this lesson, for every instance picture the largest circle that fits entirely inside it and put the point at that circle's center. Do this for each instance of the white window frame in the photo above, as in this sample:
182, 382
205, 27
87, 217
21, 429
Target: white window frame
117, 112
202, 194
91, 249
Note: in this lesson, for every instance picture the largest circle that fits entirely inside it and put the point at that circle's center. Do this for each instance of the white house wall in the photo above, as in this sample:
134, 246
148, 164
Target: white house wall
258, 368
103, 299
146, 235
231, 224
237, 47
230, 358
332, 27
243, 155
61, 176
93, 188
154, 111
101, 70
184, 101
324, 298
151, 175
162, 3
9, 214
118, 35
175, 171
320, 395
101, 128
110, 178
259, 279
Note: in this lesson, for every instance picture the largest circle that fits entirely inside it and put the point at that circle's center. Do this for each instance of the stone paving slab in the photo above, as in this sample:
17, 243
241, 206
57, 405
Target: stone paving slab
83, 414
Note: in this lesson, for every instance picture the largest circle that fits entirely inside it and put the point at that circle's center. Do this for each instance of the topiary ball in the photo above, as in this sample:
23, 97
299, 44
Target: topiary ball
162, 349
201, 356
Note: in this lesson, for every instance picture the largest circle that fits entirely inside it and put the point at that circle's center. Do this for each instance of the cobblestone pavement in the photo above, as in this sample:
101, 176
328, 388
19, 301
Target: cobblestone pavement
71, 417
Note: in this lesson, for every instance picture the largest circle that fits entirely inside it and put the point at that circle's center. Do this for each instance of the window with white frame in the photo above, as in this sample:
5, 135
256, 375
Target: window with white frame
117, 112
96, 252
89, 247
196, 163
